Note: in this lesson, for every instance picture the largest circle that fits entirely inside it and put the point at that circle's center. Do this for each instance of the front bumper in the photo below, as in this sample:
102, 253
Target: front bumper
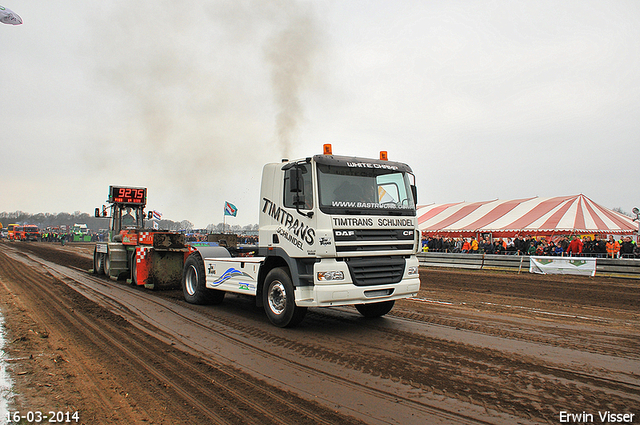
345, 292
348, 294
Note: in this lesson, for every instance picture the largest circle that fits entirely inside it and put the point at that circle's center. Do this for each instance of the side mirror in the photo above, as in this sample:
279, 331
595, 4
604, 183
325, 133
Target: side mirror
295, 176
296, 186
149, 215
97, 212
414, 192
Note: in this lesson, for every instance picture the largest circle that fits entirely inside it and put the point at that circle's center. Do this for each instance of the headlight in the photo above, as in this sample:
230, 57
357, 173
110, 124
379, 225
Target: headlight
412, 270
334, 275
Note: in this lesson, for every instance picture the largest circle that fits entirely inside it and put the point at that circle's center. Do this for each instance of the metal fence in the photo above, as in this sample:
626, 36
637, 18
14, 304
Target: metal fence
612, 267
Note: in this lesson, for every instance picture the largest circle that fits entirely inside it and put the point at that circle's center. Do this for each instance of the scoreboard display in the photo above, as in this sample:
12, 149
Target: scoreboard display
128, 195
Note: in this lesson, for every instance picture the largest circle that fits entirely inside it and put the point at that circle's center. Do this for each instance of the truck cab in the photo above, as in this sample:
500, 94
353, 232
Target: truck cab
11, 232
80, 233
18, 233
334, 230
30, 232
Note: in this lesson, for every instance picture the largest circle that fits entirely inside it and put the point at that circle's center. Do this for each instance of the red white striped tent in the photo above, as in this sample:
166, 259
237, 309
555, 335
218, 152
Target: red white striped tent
561, 215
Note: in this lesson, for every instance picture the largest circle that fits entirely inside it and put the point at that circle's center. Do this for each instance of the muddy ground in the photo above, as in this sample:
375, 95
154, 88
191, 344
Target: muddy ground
472, 347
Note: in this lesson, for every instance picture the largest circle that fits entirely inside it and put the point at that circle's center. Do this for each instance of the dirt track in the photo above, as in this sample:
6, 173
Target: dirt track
473, 347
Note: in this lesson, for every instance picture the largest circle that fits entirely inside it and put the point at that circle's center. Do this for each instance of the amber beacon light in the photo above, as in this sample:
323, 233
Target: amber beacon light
383, 156
327, 149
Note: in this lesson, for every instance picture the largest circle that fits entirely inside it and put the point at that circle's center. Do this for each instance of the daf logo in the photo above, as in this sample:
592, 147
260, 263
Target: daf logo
408, 233
345, 232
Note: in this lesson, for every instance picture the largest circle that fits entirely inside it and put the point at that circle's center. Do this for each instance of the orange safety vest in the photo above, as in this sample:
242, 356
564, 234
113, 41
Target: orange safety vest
613, 248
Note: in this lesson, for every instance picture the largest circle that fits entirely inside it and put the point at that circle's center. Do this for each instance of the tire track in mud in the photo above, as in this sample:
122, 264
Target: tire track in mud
485, 376
603, 339
219, 394
48, 316
564, 289
303, 351
256, 339
399, 352
476, 375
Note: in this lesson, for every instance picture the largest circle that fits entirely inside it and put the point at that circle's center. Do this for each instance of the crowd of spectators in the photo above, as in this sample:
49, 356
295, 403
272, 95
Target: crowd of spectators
574, 246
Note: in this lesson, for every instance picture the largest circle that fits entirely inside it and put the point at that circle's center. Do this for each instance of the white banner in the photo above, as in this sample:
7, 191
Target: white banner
563, 265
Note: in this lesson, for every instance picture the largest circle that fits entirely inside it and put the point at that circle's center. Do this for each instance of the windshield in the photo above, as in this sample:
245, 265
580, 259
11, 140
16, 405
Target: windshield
126, 217
344, 190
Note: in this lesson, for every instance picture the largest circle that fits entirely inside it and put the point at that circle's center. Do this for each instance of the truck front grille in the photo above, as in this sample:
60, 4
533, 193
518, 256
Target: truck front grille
368, 248
376, 270
362, 241
343, 235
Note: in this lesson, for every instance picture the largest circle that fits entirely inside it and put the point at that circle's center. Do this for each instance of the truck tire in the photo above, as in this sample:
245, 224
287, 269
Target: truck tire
107, 264
279, 300
194, 283
98, 262
375, 309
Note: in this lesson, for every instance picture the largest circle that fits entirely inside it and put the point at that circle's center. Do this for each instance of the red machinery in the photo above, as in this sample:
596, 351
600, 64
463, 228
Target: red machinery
149, 257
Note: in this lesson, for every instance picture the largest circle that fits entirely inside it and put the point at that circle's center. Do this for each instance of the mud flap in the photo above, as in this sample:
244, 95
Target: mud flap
164, 269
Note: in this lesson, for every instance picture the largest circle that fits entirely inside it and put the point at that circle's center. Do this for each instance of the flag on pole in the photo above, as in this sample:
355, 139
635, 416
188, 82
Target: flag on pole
157, 215
230, 209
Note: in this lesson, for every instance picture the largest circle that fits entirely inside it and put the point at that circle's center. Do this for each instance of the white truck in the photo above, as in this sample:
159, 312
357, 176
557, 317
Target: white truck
334, 230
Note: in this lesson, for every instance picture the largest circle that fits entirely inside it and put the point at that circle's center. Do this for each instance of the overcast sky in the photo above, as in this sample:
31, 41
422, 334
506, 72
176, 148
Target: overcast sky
484, 99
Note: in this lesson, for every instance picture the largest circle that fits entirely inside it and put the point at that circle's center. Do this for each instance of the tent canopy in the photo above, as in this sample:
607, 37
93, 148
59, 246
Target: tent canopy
531, 216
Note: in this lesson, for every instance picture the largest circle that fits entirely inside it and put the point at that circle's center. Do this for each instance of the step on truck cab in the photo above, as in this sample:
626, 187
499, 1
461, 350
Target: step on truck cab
334, 230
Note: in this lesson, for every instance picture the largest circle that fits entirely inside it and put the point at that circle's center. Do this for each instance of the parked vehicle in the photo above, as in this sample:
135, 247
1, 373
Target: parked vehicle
11, 231
30, 232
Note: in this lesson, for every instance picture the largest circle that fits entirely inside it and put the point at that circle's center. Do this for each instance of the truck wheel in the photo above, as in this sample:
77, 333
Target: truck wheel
375, 309
98, 263
279, 300
107, 264
194, 283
